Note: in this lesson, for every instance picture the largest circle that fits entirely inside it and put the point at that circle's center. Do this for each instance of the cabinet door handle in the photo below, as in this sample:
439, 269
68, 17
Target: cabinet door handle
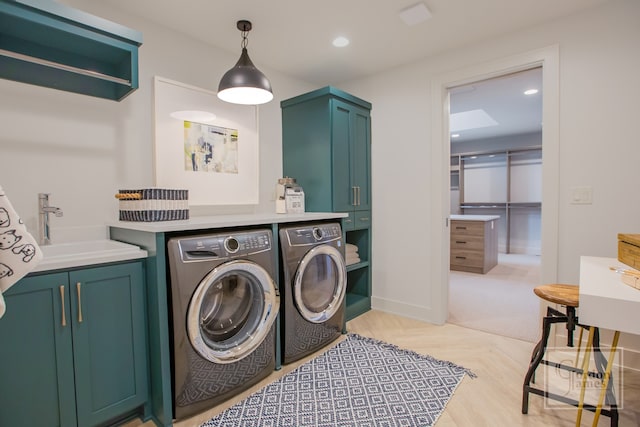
460, 228
354, 194
460, 241
358, 196
364, 219
461, 257
78, 285
64, 318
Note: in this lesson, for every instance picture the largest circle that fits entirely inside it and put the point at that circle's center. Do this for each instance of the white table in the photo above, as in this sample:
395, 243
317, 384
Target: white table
605, 302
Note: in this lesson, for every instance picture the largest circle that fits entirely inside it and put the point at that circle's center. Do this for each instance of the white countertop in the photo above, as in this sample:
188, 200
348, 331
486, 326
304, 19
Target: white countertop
484, 218
221, 221
83, 253
605, 301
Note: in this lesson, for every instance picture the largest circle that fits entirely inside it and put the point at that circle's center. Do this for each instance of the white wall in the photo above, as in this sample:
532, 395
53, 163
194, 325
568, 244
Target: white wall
83, 149
598, 146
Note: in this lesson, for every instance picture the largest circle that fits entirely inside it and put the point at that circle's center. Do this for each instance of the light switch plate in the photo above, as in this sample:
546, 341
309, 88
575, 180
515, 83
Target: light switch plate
581, 195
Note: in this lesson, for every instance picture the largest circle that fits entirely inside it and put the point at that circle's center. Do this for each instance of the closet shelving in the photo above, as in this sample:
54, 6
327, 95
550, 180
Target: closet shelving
497, 182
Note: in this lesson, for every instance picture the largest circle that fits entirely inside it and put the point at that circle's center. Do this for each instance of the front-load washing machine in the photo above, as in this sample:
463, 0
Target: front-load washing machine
224, 304
312, 289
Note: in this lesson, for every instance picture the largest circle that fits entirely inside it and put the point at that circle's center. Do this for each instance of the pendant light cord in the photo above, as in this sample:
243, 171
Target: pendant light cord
245, 40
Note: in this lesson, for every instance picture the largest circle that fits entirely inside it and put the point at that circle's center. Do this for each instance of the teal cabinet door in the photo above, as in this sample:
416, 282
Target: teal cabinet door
344, 192
361, 157
351, 148
36, 360
109, 341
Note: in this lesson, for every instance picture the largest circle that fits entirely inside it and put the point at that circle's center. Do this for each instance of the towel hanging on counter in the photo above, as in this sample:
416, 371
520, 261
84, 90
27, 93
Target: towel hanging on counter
19, 252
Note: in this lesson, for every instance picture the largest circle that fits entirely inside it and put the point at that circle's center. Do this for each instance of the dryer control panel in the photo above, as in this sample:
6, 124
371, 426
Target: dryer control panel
314, 234
221, 246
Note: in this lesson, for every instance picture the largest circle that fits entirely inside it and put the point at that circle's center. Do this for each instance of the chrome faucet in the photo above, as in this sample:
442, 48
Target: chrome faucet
44, 210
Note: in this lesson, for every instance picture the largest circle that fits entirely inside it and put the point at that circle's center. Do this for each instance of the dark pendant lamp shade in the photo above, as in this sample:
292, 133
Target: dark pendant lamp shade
244, 83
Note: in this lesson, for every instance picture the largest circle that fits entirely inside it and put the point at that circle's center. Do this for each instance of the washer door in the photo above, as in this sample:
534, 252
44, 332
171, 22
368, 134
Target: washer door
319, 285
232, 311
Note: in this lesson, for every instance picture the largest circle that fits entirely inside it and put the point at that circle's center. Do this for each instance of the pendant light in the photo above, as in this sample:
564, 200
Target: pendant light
244, 83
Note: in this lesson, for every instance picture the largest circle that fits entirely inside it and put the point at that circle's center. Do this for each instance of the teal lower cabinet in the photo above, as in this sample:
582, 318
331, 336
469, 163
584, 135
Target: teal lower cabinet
73, 348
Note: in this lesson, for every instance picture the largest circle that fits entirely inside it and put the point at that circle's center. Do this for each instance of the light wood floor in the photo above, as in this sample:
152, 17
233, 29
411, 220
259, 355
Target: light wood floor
492, 399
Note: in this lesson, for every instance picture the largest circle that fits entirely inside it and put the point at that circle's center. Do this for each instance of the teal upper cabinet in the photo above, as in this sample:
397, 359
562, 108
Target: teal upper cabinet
327, 148
49, 44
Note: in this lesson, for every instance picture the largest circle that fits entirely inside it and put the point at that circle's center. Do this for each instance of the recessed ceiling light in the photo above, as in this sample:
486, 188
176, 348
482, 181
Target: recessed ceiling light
415, 14
455, 135
531, 91
340, 41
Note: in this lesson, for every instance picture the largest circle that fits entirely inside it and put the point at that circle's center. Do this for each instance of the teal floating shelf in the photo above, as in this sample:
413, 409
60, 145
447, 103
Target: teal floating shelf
48, 44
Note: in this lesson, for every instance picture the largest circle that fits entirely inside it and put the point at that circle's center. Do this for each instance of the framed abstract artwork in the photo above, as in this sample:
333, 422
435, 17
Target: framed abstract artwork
205, 145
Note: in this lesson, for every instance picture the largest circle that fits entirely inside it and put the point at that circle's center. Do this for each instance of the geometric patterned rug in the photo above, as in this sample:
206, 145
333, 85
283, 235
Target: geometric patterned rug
359, 382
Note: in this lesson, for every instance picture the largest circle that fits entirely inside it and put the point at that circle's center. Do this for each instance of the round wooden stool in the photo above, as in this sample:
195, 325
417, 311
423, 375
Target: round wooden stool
568, 296
559, 294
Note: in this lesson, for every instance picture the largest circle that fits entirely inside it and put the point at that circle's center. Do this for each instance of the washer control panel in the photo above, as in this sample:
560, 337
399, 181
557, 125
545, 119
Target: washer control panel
220, 246
314, 234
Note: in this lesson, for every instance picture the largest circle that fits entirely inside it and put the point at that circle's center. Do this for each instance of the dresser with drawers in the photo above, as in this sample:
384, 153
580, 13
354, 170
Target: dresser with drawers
474, 243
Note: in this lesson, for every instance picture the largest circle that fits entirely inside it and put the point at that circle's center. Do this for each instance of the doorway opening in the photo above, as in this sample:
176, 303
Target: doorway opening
496, 167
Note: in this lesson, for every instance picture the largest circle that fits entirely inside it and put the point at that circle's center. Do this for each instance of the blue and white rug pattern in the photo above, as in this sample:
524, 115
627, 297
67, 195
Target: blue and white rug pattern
360, 382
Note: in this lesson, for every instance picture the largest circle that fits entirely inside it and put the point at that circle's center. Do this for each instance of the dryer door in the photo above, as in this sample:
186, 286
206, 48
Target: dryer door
232, 311
320, 283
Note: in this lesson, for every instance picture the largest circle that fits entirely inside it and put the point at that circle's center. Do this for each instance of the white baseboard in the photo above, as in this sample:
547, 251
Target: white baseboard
401, 309
525, 250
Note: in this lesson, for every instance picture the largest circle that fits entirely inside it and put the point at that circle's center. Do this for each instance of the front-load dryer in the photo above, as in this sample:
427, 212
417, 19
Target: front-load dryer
224, 304
312, 289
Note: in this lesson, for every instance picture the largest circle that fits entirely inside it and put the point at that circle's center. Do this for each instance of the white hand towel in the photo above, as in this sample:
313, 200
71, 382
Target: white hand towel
351, 259
19, 252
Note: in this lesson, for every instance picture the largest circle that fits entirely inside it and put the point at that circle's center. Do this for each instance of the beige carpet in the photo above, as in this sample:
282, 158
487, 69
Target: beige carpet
500, 302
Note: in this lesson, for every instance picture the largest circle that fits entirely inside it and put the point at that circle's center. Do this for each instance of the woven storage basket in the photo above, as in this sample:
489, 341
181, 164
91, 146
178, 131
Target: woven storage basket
153, 204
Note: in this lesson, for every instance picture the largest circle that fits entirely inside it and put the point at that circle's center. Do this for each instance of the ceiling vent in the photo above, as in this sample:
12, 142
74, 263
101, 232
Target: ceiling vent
416, 14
